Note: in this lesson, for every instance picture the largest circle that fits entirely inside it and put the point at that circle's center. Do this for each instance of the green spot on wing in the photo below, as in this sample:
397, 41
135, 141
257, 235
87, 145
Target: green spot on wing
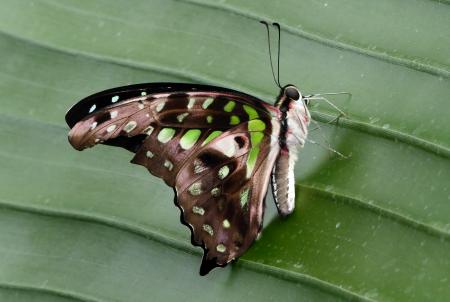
211, 136
223, 172
229, 106
209, 119
251, 160
166, 135
244, 197
190, 138
252, 113
256, 138
256, 125
234, 120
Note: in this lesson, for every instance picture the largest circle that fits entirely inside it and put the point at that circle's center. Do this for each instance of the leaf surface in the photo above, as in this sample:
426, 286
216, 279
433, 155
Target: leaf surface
91, 227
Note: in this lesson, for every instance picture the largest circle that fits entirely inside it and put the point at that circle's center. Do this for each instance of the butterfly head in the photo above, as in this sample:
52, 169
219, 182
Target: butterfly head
291, 102
290, 94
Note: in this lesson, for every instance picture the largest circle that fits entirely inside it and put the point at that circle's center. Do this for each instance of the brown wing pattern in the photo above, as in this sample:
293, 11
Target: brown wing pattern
221, 203
216, 150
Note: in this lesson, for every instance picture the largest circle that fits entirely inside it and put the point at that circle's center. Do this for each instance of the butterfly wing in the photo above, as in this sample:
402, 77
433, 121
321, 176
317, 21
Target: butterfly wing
220, 190
215, 147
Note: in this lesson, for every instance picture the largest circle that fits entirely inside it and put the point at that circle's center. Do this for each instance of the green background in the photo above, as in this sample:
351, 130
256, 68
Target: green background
89, 226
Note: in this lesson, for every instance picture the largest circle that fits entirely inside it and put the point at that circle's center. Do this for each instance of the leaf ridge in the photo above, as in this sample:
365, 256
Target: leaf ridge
182, 245
384, 212
397, 60
48, 290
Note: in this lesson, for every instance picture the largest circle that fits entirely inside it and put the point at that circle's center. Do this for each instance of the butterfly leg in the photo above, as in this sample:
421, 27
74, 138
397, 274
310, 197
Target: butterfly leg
318, 127
320, 98
336, 119
327, 148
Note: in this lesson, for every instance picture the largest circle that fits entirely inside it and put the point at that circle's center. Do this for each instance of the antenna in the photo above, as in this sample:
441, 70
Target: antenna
279, 50
270, 52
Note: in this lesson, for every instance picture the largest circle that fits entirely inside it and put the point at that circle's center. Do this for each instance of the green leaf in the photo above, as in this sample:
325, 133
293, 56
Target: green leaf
91, 227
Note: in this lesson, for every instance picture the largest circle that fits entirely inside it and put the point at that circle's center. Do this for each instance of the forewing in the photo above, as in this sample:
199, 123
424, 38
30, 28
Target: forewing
180, 106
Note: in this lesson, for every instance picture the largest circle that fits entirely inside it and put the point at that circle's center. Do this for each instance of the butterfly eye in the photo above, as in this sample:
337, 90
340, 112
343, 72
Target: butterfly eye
292, 93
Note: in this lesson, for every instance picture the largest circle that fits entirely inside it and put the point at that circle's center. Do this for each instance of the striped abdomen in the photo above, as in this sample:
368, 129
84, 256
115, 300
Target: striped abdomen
283, 183
295, 120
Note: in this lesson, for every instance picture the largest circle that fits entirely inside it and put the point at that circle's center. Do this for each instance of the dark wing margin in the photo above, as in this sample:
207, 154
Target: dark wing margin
110, 96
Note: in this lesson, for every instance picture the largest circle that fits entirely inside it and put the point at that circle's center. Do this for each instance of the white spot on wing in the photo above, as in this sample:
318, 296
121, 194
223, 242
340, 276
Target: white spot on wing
114, 98
149, 154
198, 166
168, 164
182, 116
223, 172
208, 229
226, 224
111, 128
198, 210
93, 125
160, 106
148, 130
195, 189
226, 147
191, 103
113, 114
130, 126
92, 108
215, 192
221, 248
207, 102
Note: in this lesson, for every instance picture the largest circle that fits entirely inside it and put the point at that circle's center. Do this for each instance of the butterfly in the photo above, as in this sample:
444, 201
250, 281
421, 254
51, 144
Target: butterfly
217, 148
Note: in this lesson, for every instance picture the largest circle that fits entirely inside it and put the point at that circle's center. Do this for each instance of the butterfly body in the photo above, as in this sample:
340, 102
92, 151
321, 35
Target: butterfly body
218, 148
295, 118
